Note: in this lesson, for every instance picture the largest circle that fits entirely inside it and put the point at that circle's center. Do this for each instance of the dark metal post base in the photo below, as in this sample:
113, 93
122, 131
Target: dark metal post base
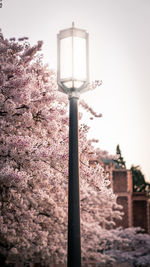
74, 240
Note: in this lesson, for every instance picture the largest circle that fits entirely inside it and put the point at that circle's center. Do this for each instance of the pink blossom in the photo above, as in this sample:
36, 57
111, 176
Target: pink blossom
34, 164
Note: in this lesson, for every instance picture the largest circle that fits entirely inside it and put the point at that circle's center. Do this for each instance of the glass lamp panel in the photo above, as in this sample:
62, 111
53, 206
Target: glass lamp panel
79, 58
73, 84
78, 84
66, 58
68, 84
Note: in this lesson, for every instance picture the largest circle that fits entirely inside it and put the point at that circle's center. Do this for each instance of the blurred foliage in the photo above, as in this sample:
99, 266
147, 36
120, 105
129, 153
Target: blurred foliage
120, 160
139, 183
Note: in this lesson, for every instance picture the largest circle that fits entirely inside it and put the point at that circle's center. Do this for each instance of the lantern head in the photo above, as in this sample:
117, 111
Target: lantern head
72, 60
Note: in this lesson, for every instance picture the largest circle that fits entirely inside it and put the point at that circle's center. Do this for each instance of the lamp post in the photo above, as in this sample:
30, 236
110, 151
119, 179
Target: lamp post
72, 79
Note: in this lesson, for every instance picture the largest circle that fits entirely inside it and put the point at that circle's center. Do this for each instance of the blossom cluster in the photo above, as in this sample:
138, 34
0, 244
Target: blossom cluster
34, 164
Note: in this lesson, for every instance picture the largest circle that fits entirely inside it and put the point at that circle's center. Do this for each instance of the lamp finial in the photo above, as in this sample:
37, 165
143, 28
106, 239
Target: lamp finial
73, 24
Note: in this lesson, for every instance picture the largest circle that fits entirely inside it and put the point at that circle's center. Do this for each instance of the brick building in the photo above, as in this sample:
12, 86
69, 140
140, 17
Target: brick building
136, 205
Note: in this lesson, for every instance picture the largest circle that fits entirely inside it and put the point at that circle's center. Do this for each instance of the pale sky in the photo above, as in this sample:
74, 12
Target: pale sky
119, 32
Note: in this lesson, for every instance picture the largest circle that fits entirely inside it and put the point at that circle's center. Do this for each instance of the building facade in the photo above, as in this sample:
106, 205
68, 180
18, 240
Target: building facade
136, 205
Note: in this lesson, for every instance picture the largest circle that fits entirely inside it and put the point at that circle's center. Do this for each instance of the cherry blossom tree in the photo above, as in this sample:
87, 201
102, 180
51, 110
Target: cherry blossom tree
34, 164
129, 245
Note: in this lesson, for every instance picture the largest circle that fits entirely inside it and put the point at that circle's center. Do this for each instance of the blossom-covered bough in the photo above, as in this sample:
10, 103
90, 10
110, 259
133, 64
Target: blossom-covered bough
34, 165
129, 246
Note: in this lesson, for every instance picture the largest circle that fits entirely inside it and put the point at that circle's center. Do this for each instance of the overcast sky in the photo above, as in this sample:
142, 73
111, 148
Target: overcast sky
119, 55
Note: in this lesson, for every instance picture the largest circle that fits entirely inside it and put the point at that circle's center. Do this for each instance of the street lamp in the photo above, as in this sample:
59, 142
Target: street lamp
73, 79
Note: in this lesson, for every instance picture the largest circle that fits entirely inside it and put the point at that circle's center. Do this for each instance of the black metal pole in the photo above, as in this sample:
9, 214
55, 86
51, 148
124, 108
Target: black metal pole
74, 240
